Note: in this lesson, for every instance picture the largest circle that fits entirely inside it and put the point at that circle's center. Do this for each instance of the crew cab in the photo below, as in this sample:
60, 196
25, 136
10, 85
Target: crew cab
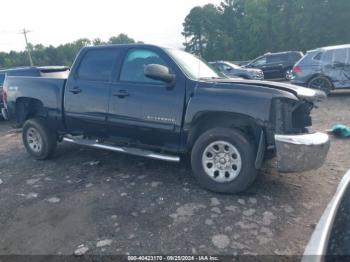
164, 104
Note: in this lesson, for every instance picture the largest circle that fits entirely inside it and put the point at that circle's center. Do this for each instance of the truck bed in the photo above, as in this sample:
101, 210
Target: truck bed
47, 91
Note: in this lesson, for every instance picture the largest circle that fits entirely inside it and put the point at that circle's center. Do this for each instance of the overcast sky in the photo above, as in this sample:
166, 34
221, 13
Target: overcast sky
55, 22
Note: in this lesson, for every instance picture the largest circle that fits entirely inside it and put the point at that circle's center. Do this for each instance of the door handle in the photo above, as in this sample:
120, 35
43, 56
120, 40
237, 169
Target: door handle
121, 93
75, 90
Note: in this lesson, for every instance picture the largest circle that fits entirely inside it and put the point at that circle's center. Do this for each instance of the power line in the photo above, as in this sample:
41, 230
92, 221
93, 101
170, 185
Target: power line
25, 32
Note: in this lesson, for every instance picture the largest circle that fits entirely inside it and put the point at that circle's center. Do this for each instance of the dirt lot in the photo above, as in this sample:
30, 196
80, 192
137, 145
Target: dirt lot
123, 204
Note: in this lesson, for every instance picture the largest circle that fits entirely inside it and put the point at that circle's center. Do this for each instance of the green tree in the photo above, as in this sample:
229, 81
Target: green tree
121, 39
60, 55
244, 29
202, 30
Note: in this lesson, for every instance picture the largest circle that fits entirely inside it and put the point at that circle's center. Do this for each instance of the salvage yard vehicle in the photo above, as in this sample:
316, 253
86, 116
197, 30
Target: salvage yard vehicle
165, 103
276, 65
43, 71
231, 70
330, 240
326, 68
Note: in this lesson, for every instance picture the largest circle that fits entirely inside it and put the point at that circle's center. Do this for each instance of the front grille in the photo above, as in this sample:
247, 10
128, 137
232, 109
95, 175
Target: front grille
301, 115
291, 117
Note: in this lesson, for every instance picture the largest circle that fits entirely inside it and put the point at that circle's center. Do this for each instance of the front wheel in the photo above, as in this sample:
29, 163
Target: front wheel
38, 139
321, 83
223, 161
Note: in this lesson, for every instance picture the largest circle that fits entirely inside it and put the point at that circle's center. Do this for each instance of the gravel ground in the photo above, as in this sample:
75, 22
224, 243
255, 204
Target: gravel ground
99, 202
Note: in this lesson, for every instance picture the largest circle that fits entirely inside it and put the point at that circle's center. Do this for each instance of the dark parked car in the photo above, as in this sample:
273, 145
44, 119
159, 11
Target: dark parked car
326, 68
276, 65
232, 70
44, 71
163, 104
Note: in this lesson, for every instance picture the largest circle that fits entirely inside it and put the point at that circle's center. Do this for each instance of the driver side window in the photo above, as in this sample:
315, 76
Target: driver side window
225, 67
135, 64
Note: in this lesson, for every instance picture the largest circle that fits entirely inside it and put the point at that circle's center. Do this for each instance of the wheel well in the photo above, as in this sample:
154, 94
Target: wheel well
27, 108
320, 75
207, 121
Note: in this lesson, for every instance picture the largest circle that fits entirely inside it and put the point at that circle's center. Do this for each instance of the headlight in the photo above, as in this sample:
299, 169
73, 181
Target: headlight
311, 94
306, 92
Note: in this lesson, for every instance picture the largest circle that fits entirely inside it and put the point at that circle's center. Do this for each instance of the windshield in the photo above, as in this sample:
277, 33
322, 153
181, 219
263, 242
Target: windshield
192, 66
232, 65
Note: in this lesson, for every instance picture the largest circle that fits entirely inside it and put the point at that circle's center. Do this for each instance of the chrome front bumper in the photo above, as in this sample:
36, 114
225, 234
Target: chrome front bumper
298, 153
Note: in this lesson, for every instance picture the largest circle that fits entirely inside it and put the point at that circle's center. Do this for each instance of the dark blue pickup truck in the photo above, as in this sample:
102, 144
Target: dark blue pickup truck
163, 104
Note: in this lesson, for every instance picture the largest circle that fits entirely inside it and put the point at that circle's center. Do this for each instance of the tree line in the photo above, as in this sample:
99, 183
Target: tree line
60, 55
232, 30
245, 29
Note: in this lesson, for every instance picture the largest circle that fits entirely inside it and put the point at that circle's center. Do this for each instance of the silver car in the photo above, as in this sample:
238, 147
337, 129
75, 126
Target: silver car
231, 70
331, 238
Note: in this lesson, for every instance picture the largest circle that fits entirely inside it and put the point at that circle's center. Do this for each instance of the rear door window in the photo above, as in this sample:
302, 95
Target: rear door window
275, 59
97, 65
328, 57
339, 57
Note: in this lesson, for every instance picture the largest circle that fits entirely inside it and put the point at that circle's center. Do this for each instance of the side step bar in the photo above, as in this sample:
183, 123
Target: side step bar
125, 150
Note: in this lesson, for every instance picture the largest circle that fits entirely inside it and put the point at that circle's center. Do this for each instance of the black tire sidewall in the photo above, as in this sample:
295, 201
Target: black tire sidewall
328, 91
48, 139
246, 149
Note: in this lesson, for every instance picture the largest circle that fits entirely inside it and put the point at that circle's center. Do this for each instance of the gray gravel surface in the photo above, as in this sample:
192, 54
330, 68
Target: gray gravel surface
88, 201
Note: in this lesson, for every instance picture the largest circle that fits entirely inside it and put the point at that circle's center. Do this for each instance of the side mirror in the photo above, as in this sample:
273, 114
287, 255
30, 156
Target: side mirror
159, 72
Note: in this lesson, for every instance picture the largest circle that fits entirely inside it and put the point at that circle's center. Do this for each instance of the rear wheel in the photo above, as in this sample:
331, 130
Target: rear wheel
39, 140
321, 83
288, 74
223, 161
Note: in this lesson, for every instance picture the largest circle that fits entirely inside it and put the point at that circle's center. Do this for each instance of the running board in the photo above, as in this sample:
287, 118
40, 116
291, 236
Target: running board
125, 150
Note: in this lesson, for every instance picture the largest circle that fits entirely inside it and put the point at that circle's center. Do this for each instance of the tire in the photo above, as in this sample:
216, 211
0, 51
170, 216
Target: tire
288, 75
321, 83
240, 162
39, 140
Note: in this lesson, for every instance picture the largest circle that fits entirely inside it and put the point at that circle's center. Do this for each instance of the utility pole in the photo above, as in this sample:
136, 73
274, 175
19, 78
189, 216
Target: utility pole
25, 32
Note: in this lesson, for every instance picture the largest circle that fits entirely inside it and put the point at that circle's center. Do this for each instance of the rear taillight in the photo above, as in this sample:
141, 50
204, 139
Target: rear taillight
296, 70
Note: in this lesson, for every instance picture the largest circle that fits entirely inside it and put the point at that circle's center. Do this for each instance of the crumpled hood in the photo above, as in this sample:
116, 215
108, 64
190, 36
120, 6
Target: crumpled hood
301, 92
